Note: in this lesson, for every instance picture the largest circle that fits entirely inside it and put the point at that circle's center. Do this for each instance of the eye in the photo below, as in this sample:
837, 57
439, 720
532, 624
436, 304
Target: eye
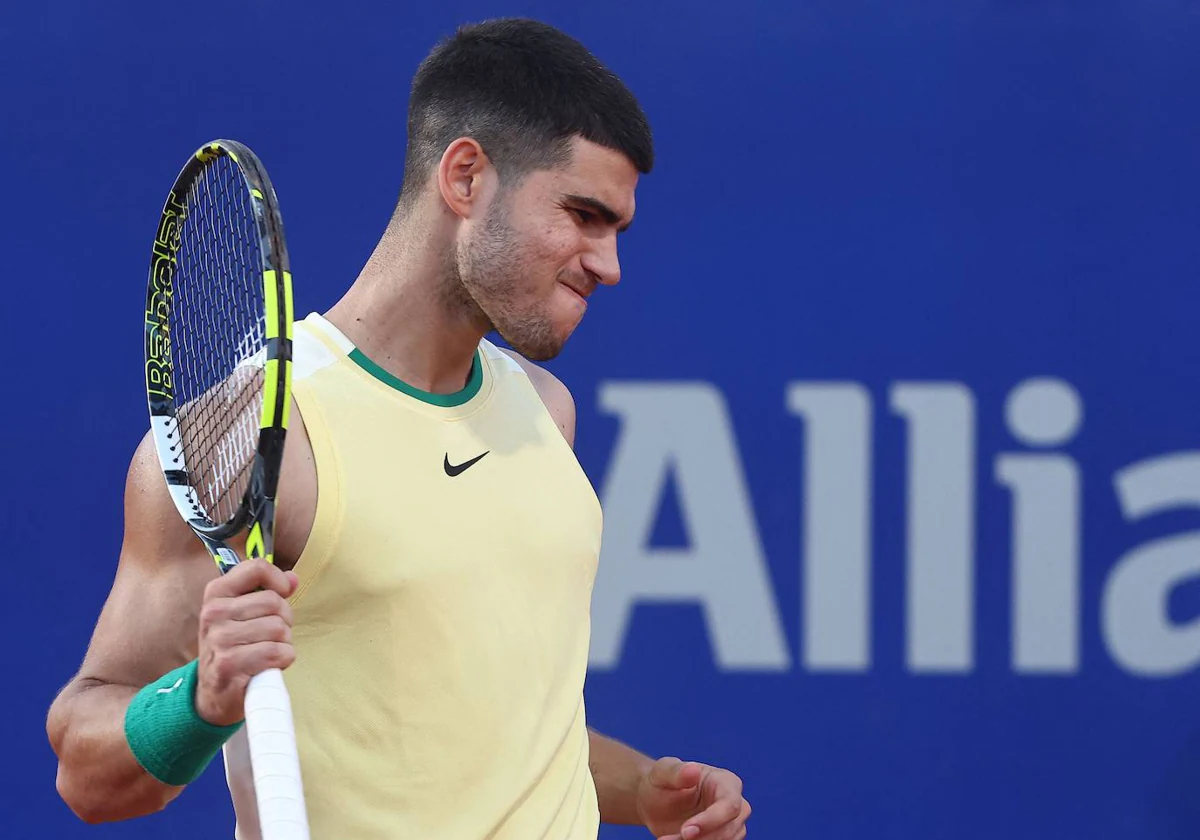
585, 216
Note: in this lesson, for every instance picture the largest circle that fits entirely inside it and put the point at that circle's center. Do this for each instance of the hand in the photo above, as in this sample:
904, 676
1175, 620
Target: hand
689, 801
245, 628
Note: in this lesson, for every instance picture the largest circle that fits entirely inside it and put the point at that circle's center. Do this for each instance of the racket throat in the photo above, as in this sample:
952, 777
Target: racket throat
260, 542
225, 556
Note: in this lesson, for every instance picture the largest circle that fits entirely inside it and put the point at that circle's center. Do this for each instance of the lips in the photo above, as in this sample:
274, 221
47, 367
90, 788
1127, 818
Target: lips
583, 295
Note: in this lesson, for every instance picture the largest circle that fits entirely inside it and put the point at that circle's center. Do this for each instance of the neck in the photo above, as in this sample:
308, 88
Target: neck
407, 312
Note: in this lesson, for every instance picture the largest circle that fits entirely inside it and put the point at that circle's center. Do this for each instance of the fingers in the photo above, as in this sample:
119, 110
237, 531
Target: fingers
220, 696
739, 834
246, 607
249, 576
716, 816
256, 658
736, 830
265, 628
725, 819
235, 621
237, 664
673, 774
245, 629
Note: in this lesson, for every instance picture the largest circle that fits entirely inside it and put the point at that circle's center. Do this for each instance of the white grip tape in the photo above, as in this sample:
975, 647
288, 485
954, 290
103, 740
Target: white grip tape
273, 755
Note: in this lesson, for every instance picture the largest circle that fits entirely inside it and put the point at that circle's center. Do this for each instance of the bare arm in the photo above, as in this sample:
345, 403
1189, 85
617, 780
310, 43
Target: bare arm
148, 627
617, 771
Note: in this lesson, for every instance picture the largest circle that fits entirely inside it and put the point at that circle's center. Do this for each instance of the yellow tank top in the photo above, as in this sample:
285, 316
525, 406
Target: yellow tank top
442, 618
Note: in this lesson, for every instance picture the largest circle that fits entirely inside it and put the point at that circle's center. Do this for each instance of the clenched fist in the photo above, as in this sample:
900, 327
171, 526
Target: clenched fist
245, 629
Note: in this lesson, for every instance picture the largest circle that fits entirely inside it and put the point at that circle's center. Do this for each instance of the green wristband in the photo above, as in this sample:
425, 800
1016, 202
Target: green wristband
171, 742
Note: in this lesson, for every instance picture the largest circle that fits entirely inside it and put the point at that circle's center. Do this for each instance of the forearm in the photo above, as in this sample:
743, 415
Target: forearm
617, 771
98, 777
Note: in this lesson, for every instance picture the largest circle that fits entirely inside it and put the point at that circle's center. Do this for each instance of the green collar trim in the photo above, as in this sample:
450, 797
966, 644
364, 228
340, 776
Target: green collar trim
474, 382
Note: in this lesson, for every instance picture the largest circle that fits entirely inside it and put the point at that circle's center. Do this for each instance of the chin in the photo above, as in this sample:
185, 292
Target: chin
540, 339
539, 352
541, 345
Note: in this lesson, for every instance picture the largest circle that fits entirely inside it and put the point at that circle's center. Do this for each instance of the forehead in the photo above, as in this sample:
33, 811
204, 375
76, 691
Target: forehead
593, 171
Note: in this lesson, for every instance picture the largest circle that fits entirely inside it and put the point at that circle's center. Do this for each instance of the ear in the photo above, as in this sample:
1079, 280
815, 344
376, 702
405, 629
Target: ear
465, 177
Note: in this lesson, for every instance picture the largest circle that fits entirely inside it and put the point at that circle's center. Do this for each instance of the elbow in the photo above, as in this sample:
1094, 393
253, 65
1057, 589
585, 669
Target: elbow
98, 794
70, 791
94, 804
98, 790
88, 808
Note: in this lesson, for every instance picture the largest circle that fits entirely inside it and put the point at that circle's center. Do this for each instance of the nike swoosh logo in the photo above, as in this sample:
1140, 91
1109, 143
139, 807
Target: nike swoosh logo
453, 469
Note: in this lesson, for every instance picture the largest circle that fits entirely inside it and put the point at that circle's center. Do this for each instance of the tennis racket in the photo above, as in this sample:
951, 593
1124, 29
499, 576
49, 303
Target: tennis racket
218, 376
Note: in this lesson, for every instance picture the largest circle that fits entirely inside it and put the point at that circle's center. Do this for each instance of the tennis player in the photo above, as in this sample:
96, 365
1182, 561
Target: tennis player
437, 539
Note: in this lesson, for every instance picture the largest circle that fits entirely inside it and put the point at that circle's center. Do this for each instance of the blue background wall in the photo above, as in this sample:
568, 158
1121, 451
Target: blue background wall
888, 196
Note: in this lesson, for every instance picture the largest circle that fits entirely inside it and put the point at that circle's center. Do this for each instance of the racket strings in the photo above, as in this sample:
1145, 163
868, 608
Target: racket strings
217, 326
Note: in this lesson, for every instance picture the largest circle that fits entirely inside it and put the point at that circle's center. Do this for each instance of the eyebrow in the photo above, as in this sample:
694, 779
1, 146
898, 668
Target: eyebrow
603, 210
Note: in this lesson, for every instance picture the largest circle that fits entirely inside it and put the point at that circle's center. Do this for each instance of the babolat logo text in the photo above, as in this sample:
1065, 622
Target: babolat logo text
682, 431
158, 302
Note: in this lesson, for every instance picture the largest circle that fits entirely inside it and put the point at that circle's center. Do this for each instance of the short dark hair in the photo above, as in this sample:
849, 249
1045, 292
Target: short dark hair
522, 89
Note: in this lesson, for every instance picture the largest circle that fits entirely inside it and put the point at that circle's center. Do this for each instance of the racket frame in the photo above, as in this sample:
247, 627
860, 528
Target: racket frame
256, 510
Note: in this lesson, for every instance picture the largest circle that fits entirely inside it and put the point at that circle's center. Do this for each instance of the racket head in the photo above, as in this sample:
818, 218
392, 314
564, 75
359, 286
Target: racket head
218, 351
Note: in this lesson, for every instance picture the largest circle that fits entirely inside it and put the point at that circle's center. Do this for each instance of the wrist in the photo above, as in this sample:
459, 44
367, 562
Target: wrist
166, 734
642, 768
620, 774
209, 715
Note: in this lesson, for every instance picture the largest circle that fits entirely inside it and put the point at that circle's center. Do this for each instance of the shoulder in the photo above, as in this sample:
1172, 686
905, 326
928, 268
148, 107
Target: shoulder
555, 395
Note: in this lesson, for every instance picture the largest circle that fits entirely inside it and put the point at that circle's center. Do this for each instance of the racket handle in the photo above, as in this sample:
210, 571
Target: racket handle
273, 755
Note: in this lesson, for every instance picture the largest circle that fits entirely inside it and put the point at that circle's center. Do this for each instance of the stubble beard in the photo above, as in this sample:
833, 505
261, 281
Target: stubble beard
483, 282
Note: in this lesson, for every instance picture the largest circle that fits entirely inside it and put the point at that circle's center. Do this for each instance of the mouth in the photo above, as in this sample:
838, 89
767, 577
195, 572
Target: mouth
583, 296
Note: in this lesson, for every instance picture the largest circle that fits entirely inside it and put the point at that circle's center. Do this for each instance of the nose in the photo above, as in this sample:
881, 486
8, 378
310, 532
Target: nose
601, 261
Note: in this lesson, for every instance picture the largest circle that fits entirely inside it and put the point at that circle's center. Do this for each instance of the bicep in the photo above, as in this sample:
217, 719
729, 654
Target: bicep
149, 621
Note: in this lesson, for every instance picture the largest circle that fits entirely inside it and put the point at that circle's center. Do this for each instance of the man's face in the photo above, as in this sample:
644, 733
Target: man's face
544, 245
